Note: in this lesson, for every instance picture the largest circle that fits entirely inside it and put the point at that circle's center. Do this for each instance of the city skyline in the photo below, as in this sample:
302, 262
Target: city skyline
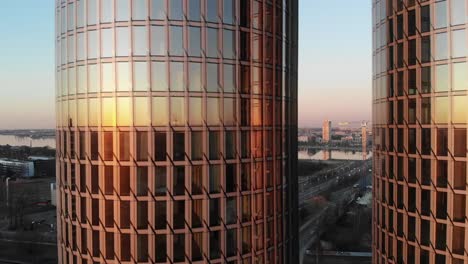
37, 110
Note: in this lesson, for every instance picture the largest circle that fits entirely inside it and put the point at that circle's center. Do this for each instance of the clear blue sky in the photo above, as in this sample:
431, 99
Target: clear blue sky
335, 62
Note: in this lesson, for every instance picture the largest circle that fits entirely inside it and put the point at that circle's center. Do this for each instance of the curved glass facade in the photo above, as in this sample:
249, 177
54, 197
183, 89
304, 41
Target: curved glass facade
176, 131
420, 105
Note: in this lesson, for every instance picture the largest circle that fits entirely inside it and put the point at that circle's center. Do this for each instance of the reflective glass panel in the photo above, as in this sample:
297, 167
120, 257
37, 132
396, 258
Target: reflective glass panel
160, 111
177, 111
441, 46
123, 41
459, 109
212, 111
177, 12
158, 9
123, 76
229, 78
212, 42
195, 111
212, 11
228, 11
158, 40
140, 41
142, 114
212, 82
82, 112
92, 12
93, 78
93, 112
92, 44
81, 77
108, 112
195, 83
107, 11
229, 44
441, 14
124, 111
458, 11
194, 10
139, 9
177, 41
158, 76
107, 42
140, 76
460, 76
442, 78
441, 108
194, 41
177, 76
459, 43
80, 46
108, 81
123, 10
229, 112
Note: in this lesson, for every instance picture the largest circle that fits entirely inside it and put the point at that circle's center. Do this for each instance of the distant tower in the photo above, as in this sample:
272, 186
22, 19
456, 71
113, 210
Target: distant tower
364, 139
326, 130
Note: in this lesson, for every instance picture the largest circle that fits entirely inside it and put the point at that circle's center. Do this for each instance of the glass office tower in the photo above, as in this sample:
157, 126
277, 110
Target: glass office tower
176, 131
420, 83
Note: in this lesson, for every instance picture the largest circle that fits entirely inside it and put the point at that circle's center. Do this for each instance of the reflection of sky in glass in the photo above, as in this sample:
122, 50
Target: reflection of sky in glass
195, 111
159, 111
212, 112
158, 43
177, 111
442, 109
458, 43
457, 12
159, 76
108, 81
140, 76
142, 111
441, 14
124, 111
195, 77
459, 76
177, 76
441, 46
123, 76
460, 108
441, 78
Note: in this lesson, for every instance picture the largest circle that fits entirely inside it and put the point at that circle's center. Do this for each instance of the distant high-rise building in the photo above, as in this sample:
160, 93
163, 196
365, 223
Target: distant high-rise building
364, 140
420, 131
177, 131
326, 131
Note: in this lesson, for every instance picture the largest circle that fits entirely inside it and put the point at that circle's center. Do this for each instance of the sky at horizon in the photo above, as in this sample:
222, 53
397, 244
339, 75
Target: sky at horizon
334, 62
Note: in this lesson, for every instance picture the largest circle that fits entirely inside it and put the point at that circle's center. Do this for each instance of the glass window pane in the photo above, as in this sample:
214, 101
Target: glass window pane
71, 49
177, 111
228, 11
177, 41
177, 76
441, 108
195, 111
142, 115
460, 108
212, 43
123, 76
158, 40
93, 112
460, 76
71, 81
441, 46
123, 41
194, 12
140, 41
81, 77
158, 76
108, 81
197, 145
158, 9
195, 83
212, 111
123, 10
458, 12
177, 12
160, 113
71, 16
92, 44
107, 41
108, 112
441, 78
93, 78
124, 111
229, 78
229, 44
212, 11
459, 43
212, 83
107, 11
82, 112
194, 41
80, 46
92, 12
229, 112
139, 9
441, 14
140, 76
